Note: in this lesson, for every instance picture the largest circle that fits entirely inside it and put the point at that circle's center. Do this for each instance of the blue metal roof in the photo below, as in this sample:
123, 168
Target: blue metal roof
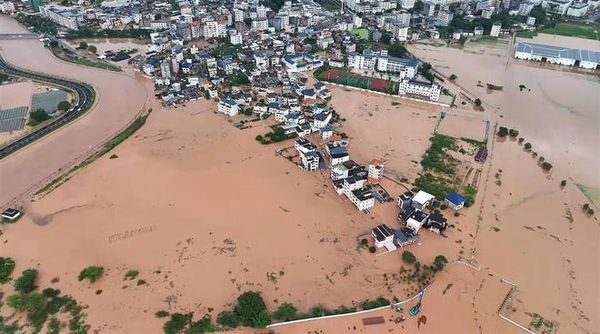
455, 198
558, 52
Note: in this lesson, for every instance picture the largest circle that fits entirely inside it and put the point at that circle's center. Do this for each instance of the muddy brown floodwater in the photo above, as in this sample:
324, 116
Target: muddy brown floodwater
120, 97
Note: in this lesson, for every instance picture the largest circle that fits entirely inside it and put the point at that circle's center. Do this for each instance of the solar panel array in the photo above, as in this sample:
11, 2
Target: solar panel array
12, 119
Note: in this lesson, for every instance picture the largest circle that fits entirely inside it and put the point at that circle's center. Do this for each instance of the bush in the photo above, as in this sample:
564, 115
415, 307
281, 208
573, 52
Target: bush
513, 133
286, 312
527, 146
521, 140
83, 45
92, 273
546, 166
409, 257
161, 314
7, 265
92, 49
453, 77
590, 211
26, 283
371, 304
228, 319
502, 132
439, 262
563, 183
586, 207
372, 249
141, 282
252, 311
131, 274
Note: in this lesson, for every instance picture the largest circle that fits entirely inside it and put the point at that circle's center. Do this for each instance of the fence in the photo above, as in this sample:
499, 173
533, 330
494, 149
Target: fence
350, 314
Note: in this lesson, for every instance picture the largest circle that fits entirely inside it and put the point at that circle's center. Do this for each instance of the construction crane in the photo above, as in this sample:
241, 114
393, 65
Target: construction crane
417, 308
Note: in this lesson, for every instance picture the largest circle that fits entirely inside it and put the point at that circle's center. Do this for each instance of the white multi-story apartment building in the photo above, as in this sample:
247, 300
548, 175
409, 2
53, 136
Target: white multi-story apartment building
214, 29
578, 9
362, 198
7, 7
379, 60
64, 16
430, 90
236, 39
559, 7
376, 168
228, 107
260, 24
238, 15
525, 8
408, 4
495, 32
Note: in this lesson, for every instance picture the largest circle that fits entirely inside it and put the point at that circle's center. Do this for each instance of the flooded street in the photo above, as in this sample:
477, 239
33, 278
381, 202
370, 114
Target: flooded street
120, 97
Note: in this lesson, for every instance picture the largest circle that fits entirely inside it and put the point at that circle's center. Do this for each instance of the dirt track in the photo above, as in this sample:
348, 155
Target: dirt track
120, 97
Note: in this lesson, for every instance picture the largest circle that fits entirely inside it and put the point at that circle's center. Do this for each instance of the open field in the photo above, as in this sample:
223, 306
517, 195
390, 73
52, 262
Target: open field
566, 29
363, 33
356, 80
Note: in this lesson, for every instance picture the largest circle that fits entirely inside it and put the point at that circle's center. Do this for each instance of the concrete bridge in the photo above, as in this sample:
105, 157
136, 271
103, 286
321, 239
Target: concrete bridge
19, 36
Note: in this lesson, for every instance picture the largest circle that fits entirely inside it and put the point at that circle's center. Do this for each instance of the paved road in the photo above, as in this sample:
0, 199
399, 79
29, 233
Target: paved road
85, 100
18, 36
119, 98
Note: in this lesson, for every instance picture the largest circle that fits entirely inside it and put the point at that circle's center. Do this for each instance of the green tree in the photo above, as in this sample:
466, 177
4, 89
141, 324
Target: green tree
201, 326
64, 105
453, 77
92, 273
386, 38
513, 133
53, 44
502, 132
38, 116
177, 323
83, 45
252, 311
478, 102
26, 283
397, 50
546, 166
7, 265
286, 312
92, 49
439, 262
228, 318
409, 257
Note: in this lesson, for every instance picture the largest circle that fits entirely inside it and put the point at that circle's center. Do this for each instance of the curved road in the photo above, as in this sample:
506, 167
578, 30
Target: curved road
119, 98
85, 100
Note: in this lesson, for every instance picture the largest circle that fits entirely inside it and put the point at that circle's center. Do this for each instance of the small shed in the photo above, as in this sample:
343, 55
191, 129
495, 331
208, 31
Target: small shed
455, 201
11, 214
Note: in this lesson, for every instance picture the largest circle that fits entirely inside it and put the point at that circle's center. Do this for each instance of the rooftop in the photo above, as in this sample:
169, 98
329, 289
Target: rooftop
558, 52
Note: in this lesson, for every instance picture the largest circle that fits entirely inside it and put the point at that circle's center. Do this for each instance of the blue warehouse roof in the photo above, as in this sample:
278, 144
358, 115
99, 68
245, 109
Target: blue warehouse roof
558, 52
